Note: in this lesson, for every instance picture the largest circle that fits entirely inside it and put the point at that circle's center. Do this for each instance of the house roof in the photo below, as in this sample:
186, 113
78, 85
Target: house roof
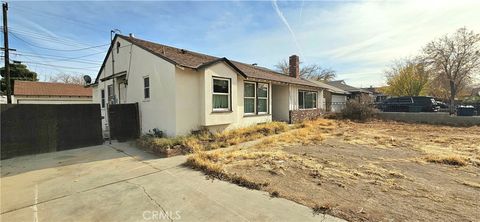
30, 88
374, 90
197, 60
341, 85
330, 88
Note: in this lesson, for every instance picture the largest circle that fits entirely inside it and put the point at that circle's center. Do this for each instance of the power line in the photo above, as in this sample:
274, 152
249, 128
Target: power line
57, 56
63, 50
59, 60
64, 67
36, 35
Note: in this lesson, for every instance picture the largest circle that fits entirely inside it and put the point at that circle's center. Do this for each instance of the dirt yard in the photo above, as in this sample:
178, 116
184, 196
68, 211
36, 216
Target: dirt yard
375, 171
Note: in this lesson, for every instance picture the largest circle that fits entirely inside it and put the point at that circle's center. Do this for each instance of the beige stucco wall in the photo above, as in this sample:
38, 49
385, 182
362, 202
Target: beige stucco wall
217, 121
157, 112
51, 100
188, 98
280, 103
181, 98
219, 118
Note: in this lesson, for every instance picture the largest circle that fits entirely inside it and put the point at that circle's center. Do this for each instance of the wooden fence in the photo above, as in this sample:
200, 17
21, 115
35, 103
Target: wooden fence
39, 128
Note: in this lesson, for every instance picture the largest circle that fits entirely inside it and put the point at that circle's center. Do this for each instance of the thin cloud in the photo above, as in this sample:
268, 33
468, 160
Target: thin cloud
284, 20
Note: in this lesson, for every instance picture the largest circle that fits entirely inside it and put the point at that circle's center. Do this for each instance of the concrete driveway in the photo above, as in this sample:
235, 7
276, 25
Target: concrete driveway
121, 183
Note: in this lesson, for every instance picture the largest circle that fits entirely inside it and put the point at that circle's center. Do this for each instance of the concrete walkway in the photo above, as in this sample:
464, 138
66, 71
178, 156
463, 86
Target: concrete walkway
121, 183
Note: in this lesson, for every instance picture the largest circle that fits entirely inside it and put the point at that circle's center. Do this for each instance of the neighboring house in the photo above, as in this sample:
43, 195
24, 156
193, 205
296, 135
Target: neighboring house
50, 93
335, 98
376, 94
178, 91
355, 93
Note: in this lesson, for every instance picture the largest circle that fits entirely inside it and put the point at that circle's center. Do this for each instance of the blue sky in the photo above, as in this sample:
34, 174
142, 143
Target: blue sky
358, 39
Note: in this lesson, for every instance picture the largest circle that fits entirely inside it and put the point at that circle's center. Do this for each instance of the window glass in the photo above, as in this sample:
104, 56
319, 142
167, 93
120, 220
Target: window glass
102, 92
262, 105
249, 90
300, 100
220, 86
249, 98
249, 105
110, 94
220, 101
221, 94
146, 87
262, 90
262, 97
307, 100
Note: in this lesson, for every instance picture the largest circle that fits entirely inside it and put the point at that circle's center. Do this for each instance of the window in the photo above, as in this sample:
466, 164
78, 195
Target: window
102, 93
255, 98
307, 100
249, 98
146, 87
262, 98
221, 94
110, 94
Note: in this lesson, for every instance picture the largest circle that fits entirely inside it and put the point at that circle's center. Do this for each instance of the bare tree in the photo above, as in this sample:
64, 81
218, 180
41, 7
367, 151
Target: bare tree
454, 59
313, 71
67, 78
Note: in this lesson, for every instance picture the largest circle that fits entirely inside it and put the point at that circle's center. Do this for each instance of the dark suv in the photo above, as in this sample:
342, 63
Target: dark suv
410, 104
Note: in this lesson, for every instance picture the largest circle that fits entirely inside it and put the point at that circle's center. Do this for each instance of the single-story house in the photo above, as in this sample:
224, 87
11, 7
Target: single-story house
30, 92
178, 91
355, 93
335, 98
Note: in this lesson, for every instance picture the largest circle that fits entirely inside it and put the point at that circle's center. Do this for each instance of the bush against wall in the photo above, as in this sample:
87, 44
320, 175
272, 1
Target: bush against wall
358, 110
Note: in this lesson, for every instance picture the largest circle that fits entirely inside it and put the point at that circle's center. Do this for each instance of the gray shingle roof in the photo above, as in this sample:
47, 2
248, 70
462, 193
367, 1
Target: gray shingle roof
196, 60
341, 85
330, 88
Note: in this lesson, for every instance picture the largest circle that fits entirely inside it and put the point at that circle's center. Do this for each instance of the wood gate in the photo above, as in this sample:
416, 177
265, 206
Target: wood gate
39, 128
124, 121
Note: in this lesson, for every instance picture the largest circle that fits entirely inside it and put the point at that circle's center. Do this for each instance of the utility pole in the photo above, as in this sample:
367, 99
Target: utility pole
7, 53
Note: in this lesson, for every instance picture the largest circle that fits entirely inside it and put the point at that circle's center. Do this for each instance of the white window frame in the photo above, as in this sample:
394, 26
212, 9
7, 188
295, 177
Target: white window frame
254, 98
216, 93
147, 87
265, 98
306, 91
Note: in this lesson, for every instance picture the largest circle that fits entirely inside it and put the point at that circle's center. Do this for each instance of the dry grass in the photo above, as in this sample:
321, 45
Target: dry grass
470, 184
205, 162
454, 160
334, 166
210, 141
306, 133
441, 144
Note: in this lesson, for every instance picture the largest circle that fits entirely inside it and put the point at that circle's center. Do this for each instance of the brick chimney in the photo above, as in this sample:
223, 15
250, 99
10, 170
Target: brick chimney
294, 66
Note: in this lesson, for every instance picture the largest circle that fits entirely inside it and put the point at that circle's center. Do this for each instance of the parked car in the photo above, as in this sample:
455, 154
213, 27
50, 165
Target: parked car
410, 104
